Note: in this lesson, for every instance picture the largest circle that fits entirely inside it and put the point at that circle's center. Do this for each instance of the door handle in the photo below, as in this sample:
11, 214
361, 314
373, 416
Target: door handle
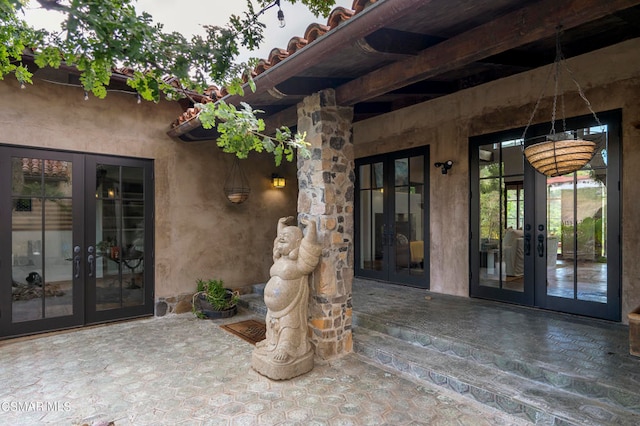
540, 245
76, 262
76, 266
527, 244
91, 260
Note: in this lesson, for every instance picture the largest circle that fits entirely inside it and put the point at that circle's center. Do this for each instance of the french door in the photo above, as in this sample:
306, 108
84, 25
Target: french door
392, 217
549, 242
77, 233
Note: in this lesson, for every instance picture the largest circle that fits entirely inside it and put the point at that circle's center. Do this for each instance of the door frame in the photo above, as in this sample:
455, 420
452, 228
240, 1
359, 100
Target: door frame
83, 235
535, 293
388, 272
95, 316
6, 272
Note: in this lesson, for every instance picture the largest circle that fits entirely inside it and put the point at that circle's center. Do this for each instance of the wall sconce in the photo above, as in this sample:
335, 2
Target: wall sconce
278, 181
445, 166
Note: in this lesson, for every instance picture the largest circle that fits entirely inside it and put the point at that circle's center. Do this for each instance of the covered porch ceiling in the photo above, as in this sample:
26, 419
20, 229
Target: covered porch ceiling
397, 53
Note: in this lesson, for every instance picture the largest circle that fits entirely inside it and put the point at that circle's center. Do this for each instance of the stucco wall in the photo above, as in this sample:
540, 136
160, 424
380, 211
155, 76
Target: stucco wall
199, 234
611, 80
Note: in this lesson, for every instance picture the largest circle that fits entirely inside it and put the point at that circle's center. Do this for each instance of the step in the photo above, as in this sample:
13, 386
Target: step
542, 373
525, 398
254, 302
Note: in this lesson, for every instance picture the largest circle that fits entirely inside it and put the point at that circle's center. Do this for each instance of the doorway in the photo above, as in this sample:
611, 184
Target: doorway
78, 230
392, 217
549, 242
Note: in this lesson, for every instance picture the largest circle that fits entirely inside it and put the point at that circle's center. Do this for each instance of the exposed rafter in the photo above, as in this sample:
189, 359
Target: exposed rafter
526, 25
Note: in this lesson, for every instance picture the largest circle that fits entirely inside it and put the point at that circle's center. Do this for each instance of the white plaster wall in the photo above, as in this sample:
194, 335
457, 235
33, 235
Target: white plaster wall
610, 78
199, 234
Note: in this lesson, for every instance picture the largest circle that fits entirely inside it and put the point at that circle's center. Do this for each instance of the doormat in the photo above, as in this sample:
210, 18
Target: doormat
250, 330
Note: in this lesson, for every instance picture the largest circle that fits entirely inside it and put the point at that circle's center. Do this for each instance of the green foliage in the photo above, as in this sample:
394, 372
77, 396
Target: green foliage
242, 132
216, 294
98, 35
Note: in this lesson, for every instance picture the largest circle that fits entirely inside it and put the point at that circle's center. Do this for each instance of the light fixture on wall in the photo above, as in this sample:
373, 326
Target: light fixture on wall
444, 166
278, 181
236, 186
559, 154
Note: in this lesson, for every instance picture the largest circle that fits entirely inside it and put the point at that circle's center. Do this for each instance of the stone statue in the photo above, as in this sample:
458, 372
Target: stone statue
286, 351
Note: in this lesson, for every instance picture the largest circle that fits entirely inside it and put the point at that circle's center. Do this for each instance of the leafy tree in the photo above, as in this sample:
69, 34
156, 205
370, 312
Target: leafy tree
99, 35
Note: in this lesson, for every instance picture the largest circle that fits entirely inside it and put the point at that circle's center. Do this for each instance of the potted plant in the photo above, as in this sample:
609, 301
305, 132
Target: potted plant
212, 300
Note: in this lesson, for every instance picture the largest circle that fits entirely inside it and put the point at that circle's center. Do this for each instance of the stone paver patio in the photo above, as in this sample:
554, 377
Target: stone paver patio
181, 370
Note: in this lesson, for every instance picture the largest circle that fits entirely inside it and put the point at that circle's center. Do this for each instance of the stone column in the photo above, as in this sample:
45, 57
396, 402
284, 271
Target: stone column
326, 191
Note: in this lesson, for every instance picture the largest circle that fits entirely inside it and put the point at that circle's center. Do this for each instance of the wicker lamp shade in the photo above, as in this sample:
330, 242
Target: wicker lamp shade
556, 158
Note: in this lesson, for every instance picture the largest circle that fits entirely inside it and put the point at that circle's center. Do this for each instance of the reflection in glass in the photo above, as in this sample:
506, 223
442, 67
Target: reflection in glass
501, 192
371, 216
41, 239
577, 224
409, 215
120, 237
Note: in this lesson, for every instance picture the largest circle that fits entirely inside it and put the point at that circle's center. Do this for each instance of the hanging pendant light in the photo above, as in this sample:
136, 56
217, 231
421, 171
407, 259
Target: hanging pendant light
559, 155
236, 186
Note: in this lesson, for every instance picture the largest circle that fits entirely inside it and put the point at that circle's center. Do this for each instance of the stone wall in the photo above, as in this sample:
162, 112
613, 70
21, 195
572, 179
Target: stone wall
611, 80
326, 190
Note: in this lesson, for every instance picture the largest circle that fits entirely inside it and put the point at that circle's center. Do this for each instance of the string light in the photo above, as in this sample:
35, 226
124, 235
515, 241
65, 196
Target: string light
139, 100
22, 85
86, 96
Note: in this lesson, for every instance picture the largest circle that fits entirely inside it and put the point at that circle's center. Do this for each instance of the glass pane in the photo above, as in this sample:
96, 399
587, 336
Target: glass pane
502, 216
577, 263
120, 237
378, 176
416, 214
108, 268
41, 239
403, 229
26, 176
26, 254
408, 226
365, 176
58, 260
377, 210
366, 231
107, 181
401, 172
132, 182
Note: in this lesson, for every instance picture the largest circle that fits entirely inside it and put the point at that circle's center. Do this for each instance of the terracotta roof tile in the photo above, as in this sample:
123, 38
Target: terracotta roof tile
314, 31
295, 44
338, 16
277, 55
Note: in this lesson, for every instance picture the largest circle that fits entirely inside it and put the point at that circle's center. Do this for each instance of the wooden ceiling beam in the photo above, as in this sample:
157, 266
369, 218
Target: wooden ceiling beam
537, 21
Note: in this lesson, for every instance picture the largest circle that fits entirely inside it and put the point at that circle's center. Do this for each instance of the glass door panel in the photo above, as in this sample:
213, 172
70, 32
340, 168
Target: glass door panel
501, 200
577, 224
372, 244
40, 287
392, 220
409, 217
558, 247
121, 206
58, 269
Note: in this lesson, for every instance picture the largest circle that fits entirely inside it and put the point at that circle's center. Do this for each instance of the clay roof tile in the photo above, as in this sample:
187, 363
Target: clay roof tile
314, 31
295, 44
338, 16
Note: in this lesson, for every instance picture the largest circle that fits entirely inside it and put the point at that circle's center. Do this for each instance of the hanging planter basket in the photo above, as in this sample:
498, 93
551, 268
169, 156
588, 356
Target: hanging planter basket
556, 158
559, 157
236, 186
